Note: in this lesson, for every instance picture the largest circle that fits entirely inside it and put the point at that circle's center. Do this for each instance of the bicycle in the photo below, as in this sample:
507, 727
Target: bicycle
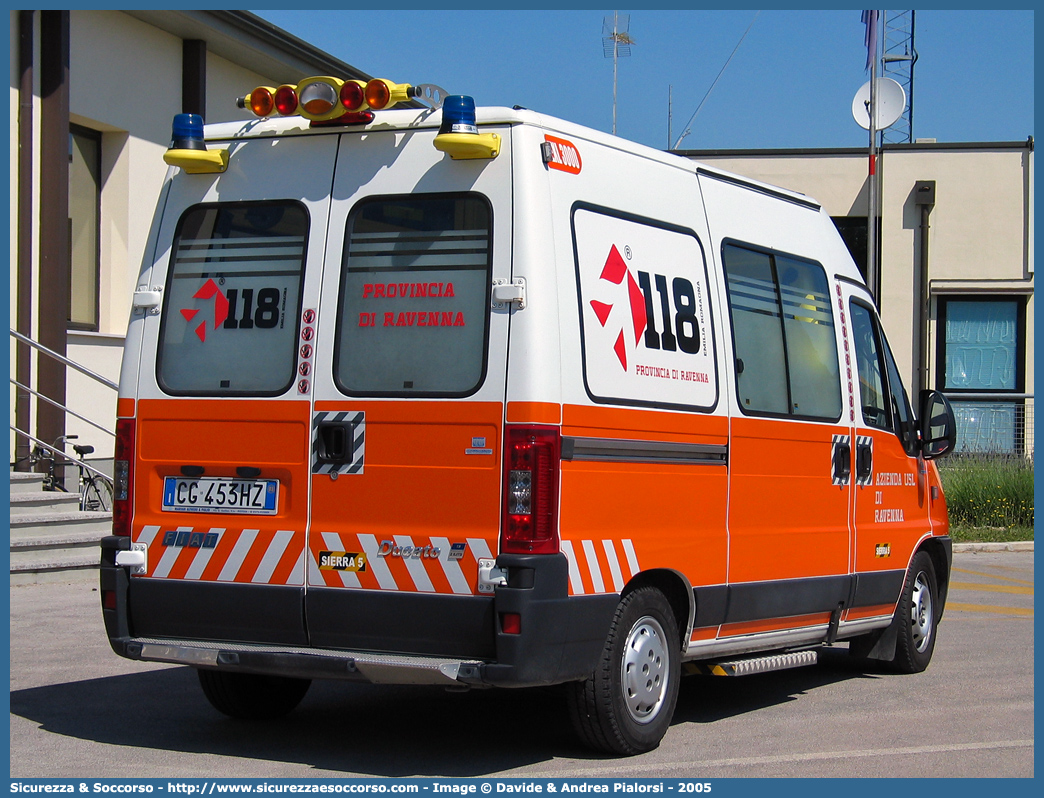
94, 489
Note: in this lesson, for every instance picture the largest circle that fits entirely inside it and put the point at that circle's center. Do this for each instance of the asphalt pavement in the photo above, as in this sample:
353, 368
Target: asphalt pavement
78, 710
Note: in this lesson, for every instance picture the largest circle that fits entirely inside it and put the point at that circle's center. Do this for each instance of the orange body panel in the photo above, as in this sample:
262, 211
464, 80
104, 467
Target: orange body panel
879, 611
891, 514
786, 519
220, 436
419, 487
774, 624
672, 516
706, 633
615, 422
534, 413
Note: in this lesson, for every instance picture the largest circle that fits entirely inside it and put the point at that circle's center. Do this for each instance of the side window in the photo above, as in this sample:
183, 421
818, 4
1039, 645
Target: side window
413, 316
903, 422
882, 397
233, 296
783, 330
872, 395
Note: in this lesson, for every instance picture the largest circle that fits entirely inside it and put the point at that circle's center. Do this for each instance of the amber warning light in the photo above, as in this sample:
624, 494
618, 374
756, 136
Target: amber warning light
329, 100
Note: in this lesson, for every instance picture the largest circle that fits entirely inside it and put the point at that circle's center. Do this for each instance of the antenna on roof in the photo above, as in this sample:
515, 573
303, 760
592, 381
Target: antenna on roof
616, 43
688, 125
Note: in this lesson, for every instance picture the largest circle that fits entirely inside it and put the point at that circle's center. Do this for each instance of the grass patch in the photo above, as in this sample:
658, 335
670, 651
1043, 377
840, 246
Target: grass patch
972, 534
987, 497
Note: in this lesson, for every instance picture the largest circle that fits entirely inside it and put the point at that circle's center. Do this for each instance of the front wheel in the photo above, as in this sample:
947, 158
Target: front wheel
626, 705
250, 696
916, 617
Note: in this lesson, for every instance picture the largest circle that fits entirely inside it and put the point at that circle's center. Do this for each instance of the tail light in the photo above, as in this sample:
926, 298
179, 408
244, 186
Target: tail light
286, 100
352, 95
123, 478
531, 463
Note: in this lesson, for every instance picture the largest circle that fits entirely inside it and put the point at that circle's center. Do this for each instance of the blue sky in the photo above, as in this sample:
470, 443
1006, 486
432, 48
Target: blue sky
790, 83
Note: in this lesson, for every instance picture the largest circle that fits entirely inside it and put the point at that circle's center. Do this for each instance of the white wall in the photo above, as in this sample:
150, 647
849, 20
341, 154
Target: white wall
124, 81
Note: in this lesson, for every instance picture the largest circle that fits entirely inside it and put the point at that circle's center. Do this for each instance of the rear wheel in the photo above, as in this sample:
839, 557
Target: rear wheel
916, 617
626, 705
97, 496
250, 696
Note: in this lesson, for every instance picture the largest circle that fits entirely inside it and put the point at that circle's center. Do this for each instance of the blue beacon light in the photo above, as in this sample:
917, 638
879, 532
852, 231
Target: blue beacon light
458, 134
188, 150
187, 132
458, 115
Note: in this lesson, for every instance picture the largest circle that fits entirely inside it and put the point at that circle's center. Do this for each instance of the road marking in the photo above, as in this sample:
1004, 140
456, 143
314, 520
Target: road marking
613, 768
1022, 591
993, 576
1026, 613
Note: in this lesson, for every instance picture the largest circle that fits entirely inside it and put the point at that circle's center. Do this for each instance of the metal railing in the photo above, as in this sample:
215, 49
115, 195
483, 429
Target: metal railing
67, 461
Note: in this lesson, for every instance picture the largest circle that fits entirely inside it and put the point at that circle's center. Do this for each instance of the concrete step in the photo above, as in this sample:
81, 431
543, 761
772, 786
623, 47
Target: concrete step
45, 525
49, 535
26, 482
36, 556
43, 501
30, 570
61, 537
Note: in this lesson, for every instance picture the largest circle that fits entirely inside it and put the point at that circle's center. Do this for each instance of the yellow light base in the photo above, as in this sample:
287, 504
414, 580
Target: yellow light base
468, 146
197, 162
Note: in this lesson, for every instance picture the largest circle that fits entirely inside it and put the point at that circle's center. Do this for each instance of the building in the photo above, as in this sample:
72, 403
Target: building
93, 94
956, 254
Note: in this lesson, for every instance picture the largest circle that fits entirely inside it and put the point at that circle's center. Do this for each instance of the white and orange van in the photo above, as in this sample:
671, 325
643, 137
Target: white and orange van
488, 399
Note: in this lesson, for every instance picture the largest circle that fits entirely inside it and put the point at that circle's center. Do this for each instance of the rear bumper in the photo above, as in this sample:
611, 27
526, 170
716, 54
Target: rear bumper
400, 638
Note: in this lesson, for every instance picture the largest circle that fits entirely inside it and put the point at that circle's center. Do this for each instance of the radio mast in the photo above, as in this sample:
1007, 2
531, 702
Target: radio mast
616, 43
898, 64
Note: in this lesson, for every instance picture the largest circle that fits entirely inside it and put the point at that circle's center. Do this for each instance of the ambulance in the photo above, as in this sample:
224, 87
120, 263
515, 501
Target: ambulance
479, 398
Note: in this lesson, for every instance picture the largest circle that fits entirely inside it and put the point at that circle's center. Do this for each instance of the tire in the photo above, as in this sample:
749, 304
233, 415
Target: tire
916, 617
625, 707
248, 696
97, 496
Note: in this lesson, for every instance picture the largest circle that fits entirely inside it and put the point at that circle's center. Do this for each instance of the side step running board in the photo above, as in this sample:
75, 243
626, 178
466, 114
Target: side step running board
745, 667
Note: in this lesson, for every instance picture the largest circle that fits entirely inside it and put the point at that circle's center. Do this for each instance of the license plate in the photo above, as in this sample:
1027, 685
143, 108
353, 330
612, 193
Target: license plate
207, 495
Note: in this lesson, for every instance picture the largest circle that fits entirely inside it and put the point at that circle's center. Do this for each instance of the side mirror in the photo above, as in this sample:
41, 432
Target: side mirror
938, 425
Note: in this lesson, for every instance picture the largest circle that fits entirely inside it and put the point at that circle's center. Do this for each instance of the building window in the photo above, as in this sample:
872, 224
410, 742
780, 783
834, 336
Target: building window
853, 230
84, 212
982, 360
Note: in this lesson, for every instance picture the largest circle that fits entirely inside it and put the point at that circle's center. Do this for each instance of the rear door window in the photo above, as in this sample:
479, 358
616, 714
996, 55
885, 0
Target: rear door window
232, 301
415, 296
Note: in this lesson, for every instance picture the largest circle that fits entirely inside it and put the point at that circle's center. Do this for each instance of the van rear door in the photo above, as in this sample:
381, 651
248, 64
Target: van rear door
409, 398
222, 420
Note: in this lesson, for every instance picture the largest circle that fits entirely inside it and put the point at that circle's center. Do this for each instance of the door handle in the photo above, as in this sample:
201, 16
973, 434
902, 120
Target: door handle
865, 461
335, 442
842, 461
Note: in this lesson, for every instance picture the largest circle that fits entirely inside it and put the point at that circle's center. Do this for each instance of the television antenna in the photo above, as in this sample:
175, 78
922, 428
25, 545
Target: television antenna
688, 125
616, 43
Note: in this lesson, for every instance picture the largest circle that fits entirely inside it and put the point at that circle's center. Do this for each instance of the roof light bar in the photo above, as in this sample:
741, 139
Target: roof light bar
324, 99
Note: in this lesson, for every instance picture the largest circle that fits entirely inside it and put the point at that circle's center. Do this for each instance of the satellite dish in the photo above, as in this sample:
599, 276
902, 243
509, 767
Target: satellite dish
890, 100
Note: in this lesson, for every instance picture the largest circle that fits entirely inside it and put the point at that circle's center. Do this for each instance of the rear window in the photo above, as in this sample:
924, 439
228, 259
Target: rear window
232, 301
415, 293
